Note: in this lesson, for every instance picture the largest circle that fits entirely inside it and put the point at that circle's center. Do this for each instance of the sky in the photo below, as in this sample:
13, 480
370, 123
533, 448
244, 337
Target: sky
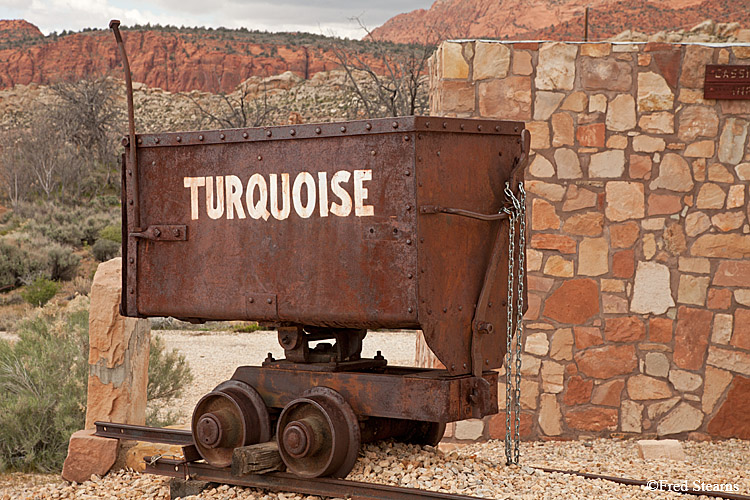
327, 17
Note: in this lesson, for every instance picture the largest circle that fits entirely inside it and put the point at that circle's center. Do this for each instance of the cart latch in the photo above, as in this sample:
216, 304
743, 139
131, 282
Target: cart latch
163, 232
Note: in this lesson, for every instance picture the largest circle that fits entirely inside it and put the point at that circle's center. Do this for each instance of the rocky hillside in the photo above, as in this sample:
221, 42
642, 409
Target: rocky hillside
174, 60
554, 19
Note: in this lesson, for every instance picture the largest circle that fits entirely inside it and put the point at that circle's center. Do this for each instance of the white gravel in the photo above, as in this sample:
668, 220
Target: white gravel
477, 470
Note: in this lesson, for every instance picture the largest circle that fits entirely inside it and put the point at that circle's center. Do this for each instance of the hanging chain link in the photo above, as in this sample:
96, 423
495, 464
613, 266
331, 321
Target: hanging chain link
509, 324
516, 216
519, 315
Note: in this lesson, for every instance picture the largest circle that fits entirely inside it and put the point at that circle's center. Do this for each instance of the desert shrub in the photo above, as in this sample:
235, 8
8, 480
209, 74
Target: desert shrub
43, 382
82, 286
40, 291
105, 249
112, 232
63, 263
93, 227
13, 265
168, 372
43, 379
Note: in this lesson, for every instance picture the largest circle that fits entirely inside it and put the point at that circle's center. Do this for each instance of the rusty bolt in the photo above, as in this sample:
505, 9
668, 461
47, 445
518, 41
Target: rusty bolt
368, 126
406, 138
445, 124
408, 208
176, 232
408, 242
221, 136
515, 129
421, 240
125, 141
462, 126
343, 129
394, 124
486, 361
153, 163
438, 153
410, 275
460, 308
479, 127
200, 137
131, 260
489, 304
407, 173
453, 367
130, 202
179, 139
464, 365
499, 153
292, 132
251, 300
373, 152
269, 133
379, 355
445, 309
130, 172
270, 301
410, 310
157, 232
131, 291
317, 130
426, 124
156, 140
269, 357
244, 135
140, 140
497, 128
260, 158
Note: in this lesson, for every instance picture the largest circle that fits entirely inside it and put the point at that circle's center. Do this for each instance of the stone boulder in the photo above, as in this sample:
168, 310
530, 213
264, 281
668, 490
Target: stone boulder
87, 455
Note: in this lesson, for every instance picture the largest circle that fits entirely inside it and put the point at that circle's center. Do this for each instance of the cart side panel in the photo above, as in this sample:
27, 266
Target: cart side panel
466, 171
331, 270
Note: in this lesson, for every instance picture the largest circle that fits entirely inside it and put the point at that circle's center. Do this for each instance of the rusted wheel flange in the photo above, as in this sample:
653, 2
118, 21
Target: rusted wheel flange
425, 433
230, 416
318, 434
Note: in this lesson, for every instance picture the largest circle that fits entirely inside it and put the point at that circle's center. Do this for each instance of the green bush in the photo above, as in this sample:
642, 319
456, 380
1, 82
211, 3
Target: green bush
43, 385
40, 291
63, 263
13, 265
168, 372
105, 249
43, 378
112, 232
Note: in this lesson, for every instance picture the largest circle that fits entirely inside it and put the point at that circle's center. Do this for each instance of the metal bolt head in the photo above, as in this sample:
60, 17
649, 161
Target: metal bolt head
292, 132
125, 141
156, 140
410, 310
251, 300
176, 232
244, 135
221, 136
131, 260
270, 301
410, 275
200, 137
268, 133
178, 139
260, 158
394, 124
368, 126
157, 232
373, 152
130, 202
408, 242
406, 138
317, 130
343, 129
407, 173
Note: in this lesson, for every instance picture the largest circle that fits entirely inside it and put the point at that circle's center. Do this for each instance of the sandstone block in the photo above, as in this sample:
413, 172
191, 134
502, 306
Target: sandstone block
736, 196
700, 149
732, 273
623, 235
664, 204
561, 347
722, 329
674, 174
552, 376
631, 416
578, 391
135, 456
577, 198
539, 135
657, 364
556, 69
625, 200
710, 196
530, 365
660, 330
724, 246
587, 336
652, 292
623, 264
457, 96
624, 329
606, 74
529, 394
541, 167
593, 257
694, 265
614, 304
643, 387
652, 449
591, 135
469, 429
543, 215
732, 141
728, 221
743, 171
584, 224
685, 381
697, 121
574, 302
621, 113
716, 381
562, 130
607, 164
694, 65
697, 223
562, 244
491, 60
692, 290
87, 455
691, 337
656, 410
522, 63
552, 192
617, 142
558, 266
550, 418
537, 343
729, 359
608, 393
607, 361
657, 123
568, 165
576, 101
118, 354
684, 418
546, 103
598, 103
453, 63
741, 334
640, 166
648, 144
506, 99
592, 419
731, 418
599, 49
653, 93
496, 426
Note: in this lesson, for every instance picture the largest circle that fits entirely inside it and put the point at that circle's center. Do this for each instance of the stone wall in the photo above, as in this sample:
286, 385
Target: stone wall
639, 244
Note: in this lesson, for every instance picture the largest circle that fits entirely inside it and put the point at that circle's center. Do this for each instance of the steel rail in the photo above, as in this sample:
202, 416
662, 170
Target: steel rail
653, 485
181, 437
281, 481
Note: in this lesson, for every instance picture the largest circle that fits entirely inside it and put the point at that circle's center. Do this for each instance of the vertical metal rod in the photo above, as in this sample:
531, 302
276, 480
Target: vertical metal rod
114, 25
586, 25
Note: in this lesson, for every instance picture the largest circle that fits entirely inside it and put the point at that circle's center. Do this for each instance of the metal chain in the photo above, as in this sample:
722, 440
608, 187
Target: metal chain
509, 323
519, 316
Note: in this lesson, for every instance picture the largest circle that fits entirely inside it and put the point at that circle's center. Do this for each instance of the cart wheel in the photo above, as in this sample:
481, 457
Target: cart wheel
426, 433
230, 416
318, 434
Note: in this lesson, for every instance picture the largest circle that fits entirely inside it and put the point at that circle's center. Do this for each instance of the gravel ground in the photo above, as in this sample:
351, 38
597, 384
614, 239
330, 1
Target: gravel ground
476, 470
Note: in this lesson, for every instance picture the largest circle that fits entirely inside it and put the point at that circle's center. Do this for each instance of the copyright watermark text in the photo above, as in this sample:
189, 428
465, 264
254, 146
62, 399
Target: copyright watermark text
686, 486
